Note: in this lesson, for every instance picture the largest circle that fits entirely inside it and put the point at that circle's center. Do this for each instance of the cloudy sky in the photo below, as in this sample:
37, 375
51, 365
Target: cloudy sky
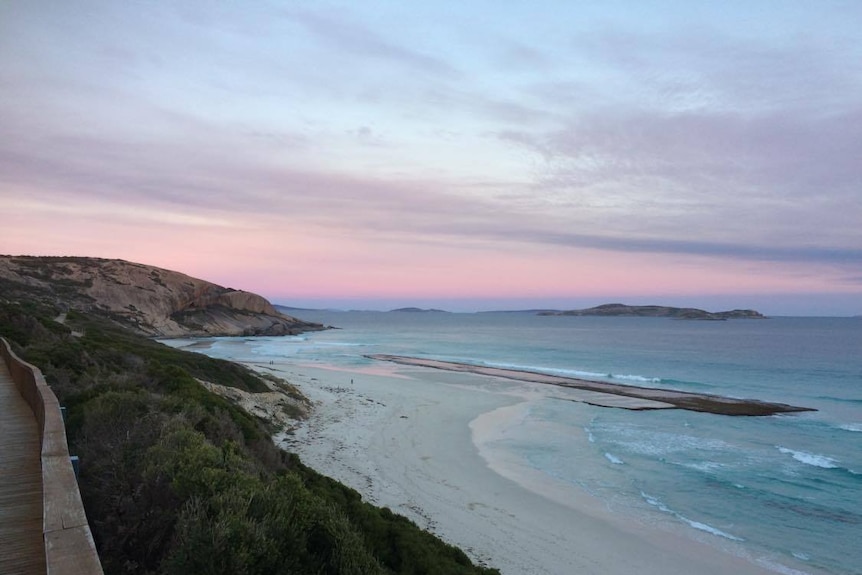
465, 155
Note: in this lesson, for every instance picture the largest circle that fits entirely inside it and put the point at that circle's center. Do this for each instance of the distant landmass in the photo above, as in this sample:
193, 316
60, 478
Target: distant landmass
417, 310
538, 311
288, 308
619, 309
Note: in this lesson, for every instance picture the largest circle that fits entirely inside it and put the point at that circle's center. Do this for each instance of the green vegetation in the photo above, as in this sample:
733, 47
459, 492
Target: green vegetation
178, 480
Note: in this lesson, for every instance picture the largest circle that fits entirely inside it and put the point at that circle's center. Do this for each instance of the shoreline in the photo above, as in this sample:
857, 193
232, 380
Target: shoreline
606, 394
415, 440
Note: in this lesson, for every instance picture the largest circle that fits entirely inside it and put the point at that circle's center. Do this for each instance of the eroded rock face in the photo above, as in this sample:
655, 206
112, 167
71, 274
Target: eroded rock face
151, 300
247, 301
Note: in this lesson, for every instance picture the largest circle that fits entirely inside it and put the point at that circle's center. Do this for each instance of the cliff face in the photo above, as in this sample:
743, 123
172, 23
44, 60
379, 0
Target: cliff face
151, 300
619, 309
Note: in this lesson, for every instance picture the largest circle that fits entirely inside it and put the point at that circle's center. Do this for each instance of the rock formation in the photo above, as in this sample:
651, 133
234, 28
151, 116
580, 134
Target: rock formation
153, 301
619, 309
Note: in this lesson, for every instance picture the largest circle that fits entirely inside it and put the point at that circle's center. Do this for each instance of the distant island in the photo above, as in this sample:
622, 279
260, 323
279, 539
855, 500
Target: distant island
619, 309
417, 310
537, 311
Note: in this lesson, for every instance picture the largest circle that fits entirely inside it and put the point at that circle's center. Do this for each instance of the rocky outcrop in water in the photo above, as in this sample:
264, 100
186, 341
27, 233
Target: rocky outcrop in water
619, 309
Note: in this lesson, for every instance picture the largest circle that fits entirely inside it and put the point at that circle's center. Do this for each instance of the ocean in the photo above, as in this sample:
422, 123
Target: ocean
786, 489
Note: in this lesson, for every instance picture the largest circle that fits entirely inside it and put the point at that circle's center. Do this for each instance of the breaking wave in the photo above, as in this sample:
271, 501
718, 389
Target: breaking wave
812, 459
655, 502
613, 459
575, 373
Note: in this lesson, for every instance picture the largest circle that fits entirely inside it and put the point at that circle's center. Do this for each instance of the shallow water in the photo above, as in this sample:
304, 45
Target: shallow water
786, 488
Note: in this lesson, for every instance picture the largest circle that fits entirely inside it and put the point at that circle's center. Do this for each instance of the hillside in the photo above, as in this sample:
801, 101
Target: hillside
619, 309
152, 301
176, 479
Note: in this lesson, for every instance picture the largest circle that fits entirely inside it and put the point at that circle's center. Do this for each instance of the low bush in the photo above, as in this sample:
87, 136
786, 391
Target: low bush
178, 480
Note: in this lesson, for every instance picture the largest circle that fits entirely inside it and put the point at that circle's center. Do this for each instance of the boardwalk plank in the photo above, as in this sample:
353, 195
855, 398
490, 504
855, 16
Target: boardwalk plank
22, 549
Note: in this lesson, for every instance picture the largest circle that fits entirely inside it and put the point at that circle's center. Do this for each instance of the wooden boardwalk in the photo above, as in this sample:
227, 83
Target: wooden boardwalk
22, 548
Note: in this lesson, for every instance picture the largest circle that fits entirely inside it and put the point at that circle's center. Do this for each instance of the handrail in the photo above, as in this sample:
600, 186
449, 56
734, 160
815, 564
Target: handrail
69, 545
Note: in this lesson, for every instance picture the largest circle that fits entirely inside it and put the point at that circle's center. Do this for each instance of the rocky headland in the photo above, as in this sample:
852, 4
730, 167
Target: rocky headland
152, 301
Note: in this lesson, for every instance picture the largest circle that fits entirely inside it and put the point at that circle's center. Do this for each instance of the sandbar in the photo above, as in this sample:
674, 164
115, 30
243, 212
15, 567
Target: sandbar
611, 394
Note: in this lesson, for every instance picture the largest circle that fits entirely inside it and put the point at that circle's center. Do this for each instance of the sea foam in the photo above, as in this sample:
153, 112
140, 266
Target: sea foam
812, 459
655, 502
575, 373
779, 568
704, 466
614, 459
635, 378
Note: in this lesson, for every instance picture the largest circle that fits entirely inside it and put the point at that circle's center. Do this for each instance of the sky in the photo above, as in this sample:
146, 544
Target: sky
461, 155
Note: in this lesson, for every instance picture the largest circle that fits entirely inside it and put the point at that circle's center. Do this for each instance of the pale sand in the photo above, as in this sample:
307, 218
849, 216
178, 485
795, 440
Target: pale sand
402, 437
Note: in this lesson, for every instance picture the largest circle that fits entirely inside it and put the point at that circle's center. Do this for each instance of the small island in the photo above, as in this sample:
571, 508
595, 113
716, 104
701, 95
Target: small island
619, 309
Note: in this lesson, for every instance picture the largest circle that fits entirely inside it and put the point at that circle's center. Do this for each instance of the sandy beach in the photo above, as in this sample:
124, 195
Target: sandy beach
420, 441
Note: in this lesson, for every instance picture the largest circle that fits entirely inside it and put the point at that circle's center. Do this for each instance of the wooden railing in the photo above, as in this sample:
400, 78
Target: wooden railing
69, 546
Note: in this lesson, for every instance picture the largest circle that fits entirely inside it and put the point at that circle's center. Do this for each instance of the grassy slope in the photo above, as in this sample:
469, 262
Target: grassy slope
178, 480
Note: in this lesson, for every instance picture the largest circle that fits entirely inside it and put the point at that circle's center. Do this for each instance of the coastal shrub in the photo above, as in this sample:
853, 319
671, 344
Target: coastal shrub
131, 518
176, 479
262, 525
115, 346
400, 545
276, 528
193, 467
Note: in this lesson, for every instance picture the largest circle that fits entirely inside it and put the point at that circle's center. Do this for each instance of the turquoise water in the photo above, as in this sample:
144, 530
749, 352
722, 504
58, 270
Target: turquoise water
788, 488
